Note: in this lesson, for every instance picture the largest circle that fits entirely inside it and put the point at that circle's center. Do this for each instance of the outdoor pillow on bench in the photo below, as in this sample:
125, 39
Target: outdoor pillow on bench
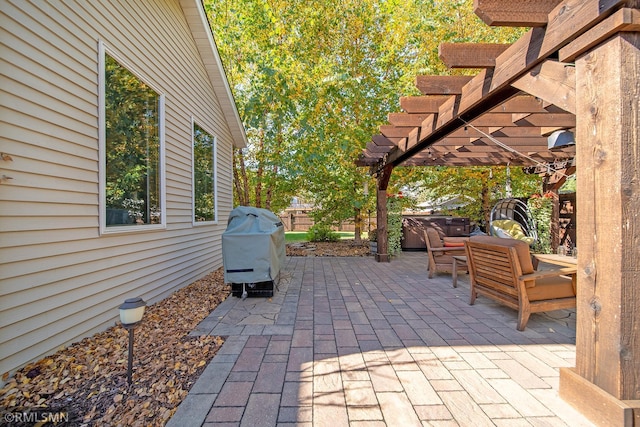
508, 228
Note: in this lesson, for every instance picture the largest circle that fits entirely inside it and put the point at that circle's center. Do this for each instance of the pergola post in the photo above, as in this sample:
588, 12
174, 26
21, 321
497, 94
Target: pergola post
604, 385
384, 175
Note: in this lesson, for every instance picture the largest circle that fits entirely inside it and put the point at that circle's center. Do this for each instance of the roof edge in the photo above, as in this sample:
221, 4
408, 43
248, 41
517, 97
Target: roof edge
216, 71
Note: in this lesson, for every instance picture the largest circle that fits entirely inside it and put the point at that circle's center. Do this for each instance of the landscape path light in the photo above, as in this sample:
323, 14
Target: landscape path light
131, 312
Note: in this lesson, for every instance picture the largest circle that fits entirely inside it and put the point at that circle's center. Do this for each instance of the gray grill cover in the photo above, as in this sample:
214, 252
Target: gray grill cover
253, 246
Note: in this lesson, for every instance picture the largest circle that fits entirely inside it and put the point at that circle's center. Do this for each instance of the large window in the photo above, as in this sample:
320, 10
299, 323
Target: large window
132, 149
204, 175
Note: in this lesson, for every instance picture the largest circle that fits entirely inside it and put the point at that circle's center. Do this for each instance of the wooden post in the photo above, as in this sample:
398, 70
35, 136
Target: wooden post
604, 385
381, 204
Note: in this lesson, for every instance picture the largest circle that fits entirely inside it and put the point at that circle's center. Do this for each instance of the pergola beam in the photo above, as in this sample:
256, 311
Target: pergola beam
470, 55
407, 119
441, 85
381, 140
553, 81
521, 104
623, 20
422, 104
508, 13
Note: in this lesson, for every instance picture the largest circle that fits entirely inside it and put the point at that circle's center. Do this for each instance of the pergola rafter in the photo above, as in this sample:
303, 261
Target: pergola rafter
578, 68
457, 100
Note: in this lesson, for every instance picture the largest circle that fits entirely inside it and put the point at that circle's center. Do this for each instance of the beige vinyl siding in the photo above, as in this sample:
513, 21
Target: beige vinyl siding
60, 280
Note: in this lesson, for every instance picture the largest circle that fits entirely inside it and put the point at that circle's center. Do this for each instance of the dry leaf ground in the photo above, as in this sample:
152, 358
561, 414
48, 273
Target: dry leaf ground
88, 379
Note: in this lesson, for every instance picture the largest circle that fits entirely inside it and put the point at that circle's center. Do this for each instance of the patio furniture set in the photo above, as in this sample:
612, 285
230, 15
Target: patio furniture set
504, 269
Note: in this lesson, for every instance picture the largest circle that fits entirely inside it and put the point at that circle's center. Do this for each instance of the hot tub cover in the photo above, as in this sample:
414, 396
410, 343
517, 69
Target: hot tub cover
253, 246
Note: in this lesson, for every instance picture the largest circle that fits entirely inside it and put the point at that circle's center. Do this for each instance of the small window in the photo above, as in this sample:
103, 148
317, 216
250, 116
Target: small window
204, 175
131, 176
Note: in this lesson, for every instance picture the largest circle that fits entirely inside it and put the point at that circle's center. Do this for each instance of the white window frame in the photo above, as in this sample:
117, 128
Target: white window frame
214, 153
102, 143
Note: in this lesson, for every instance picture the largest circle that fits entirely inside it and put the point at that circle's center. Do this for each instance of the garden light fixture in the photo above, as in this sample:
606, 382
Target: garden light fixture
131, 313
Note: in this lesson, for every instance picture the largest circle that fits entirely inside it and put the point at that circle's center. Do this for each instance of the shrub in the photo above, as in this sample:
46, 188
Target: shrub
394, 223
541, 207
321, 233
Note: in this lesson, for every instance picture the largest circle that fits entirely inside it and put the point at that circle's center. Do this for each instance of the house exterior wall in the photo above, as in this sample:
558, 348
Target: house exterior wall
60, 278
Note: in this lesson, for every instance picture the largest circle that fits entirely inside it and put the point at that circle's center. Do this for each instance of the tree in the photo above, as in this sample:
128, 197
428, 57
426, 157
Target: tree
484, 186
315, 80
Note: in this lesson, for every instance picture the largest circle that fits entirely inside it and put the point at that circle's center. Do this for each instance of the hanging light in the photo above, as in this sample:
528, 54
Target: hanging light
560, 139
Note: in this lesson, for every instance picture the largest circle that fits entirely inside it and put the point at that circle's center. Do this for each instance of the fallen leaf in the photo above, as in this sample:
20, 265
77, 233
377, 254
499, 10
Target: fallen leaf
89, 377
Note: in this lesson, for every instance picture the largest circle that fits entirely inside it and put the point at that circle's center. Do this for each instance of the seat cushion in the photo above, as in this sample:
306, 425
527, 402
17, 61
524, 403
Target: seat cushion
550, 288
434, 238
454, 242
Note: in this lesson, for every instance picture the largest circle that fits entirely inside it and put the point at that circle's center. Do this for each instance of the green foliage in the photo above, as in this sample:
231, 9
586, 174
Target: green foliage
322, 233
313, 82
569, 185
484, 186
541, 208
394, 223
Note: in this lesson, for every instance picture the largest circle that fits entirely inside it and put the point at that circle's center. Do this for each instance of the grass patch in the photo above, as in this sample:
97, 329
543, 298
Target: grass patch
295, 236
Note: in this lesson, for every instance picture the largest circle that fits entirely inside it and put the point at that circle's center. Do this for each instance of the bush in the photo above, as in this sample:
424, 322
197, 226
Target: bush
394, 223
322, 233
541, 207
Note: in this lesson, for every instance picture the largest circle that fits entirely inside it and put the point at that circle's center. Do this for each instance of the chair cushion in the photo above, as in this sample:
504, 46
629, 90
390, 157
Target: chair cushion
550, 288
434, 238
522, 249
454, 242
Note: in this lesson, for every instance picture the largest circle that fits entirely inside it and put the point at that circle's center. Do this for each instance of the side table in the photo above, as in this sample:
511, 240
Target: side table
454, 274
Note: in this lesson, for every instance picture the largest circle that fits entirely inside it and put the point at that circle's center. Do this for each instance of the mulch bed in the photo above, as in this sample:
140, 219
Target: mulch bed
340, 248
88, 379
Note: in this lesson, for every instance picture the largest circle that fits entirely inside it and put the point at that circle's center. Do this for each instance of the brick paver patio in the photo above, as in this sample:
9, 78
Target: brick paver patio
348, 341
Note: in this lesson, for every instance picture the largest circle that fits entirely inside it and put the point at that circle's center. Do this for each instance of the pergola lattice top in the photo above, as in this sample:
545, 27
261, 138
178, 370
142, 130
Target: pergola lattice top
524, 91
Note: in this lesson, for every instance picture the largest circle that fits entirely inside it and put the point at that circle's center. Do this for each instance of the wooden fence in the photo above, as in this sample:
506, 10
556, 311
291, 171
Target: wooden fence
302, 222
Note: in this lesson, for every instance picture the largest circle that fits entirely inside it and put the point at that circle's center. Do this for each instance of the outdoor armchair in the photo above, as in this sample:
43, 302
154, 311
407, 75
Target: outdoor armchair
501, 269
441, 252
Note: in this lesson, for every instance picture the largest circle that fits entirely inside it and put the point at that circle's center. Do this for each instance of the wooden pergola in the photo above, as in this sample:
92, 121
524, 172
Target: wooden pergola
577, 69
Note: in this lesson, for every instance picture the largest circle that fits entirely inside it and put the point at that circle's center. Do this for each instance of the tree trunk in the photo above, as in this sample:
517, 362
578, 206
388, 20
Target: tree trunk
240, 181
259, 173
358, 226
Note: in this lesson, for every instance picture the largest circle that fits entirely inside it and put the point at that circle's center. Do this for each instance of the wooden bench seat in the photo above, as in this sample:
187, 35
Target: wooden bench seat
501, 269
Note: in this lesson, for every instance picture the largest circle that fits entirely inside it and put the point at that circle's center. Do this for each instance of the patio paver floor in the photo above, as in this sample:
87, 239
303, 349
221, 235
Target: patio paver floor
349, 341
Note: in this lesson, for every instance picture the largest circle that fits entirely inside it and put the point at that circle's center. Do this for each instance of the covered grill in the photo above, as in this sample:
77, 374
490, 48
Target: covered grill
253, 251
